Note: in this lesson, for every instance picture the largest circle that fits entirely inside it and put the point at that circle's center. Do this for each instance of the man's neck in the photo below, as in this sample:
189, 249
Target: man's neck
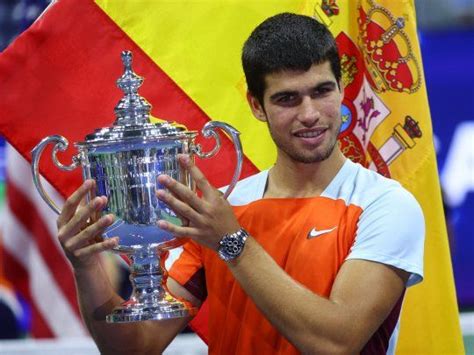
294, 179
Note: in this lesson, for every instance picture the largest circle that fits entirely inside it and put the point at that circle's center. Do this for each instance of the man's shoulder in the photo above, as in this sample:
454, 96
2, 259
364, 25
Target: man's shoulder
248, 189
391, 226
359, 186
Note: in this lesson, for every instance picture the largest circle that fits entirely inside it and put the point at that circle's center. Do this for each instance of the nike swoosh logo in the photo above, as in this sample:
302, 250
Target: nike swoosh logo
315, 233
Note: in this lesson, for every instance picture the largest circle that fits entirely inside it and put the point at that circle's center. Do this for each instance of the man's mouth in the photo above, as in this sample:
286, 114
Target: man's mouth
310, 133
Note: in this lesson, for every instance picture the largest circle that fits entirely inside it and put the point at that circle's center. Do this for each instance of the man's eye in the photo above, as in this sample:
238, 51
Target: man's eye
287, 99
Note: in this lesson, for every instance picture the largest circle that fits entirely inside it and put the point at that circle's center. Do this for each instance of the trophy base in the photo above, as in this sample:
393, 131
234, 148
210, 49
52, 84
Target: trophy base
169, 308
150, 299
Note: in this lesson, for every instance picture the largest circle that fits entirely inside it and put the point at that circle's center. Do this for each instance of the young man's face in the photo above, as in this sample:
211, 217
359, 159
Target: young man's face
303, 112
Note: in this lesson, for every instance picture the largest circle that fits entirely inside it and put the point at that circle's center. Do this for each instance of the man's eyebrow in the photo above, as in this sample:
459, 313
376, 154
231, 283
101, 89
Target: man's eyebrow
327, 83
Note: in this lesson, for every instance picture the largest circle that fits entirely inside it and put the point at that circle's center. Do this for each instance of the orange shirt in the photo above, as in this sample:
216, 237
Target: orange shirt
309, 238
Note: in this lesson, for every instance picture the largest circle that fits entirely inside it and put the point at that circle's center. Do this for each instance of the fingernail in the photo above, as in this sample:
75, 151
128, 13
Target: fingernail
87, 184
112, 242
106, 220
162, 224
185, 159
96, 202
163, 179
160, 193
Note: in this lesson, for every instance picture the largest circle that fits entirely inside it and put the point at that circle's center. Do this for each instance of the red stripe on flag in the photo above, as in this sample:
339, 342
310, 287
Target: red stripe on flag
59, 78
28, 216
19, 277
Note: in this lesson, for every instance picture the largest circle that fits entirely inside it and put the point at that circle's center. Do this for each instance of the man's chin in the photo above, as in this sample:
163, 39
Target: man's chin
316, 156
310, 159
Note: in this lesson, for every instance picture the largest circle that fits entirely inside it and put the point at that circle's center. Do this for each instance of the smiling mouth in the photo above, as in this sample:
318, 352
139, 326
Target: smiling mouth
310, 134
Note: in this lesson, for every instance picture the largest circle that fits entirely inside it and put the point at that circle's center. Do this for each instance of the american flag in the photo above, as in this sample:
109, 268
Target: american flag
36, 281
33, 260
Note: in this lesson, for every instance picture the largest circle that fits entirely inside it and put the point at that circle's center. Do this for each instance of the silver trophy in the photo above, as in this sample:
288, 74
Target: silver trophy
125, 161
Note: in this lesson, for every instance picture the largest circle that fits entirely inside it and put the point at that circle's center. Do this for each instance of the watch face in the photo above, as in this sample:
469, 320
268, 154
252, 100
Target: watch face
231, 245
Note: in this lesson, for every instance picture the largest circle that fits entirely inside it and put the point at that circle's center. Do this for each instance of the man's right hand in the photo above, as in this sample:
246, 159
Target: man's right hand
79, 232
80, 228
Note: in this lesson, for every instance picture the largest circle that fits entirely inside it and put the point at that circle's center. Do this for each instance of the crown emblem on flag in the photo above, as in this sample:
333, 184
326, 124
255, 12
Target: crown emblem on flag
330, 7
349, 69
408, 132
387, 51
324, 10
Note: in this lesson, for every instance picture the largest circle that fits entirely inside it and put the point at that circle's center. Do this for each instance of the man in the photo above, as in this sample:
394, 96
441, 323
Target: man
310, 256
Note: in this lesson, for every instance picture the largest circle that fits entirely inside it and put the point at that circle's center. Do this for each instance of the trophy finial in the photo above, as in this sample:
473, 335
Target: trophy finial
127, 60
132, 109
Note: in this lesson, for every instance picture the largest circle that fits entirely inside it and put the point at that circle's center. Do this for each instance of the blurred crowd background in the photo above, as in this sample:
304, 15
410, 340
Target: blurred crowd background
446, 33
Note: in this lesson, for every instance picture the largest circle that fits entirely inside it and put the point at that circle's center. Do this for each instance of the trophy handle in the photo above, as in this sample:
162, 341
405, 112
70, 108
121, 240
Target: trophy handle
61, 144
208, 131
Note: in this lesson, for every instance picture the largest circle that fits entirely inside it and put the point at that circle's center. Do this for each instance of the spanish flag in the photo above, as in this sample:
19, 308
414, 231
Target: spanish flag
59, 78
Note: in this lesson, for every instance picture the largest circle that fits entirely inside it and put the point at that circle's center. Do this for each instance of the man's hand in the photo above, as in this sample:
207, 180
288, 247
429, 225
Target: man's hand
79, 229
210, 217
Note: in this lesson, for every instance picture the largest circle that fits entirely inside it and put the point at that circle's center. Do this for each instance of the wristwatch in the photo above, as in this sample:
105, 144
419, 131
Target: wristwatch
231, 245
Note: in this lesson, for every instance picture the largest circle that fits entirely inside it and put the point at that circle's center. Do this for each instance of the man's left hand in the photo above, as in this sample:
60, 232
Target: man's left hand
210, 216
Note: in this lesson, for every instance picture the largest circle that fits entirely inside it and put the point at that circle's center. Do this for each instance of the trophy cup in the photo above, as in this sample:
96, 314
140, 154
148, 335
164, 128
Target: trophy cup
125, 161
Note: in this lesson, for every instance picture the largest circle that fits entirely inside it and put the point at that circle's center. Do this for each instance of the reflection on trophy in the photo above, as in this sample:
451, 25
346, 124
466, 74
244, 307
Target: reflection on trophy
125, 161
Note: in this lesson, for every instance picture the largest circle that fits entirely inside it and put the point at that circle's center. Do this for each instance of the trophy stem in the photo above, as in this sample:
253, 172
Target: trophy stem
150, 299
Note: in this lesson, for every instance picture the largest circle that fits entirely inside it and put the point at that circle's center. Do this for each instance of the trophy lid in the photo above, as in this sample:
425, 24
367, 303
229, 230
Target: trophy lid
133, 115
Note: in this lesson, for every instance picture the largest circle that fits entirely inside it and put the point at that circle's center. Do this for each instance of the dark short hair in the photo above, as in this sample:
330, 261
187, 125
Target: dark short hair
287, 42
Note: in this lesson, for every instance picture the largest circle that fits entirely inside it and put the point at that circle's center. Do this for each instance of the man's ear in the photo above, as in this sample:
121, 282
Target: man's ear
256, 108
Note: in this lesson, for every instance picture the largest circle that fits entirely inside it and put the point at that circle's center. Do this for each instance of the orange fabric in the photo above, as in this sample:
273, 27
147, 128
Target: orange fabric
281, 226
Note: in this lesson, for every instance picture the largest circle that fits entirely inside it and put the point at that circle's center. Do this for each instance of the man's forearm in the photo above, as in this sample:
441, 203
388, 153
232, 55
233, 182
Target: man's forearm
311, 323
290, 307
97, 299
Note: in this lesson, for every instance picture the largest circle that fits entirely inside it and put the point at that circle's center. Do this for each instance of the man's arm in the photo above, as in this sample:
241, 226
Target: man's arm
363, 294
95, 293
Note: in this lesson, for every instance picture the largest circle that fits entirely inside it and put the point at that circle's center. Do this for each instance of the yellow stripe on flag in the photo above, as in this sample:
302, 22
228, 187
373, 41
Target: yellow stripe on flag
430, 320
198, 44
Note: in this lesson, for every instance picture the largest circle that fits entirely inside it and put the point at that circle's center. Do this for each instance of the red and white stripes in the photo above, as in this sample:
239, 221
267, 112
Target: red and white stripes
33, 261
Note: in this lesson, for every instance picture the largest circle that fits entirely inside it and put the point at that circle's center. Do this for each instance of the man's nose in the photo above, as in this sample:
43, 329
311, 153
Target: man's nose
308, 112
